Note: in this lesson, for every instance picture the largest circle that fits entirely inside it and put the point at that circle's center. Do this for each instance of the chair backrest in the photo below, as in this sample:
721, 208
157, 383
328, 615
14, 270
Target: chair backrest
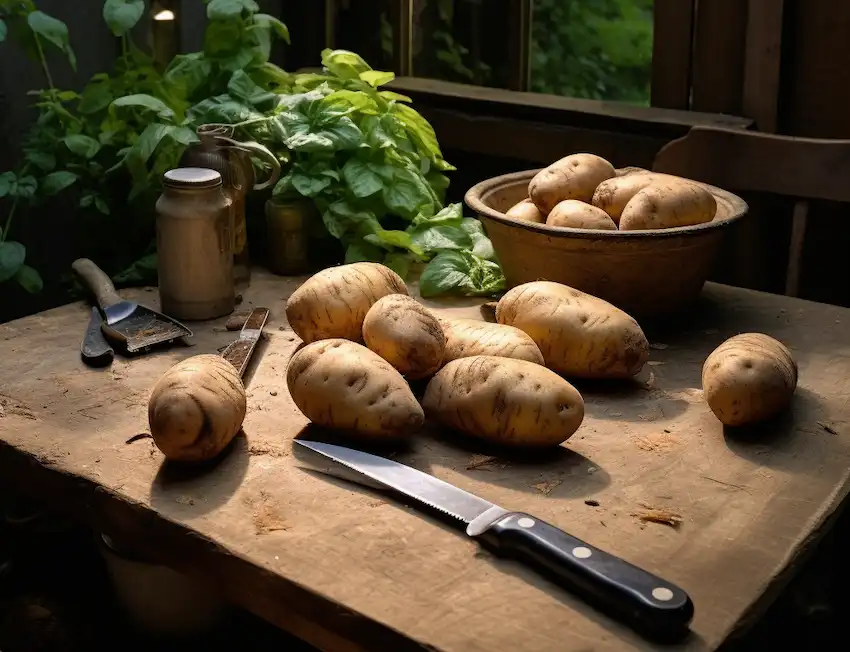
802, 168
739, 160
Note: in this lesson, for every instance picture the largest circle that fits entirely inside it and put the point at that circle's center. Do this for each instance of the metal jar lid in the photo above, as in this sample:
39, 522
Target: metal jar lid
192, 178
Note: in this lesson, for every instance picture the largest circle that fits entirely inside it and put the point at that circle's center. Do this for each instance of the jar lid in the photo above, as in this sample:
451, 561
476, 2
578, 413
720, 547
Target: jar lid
193, 178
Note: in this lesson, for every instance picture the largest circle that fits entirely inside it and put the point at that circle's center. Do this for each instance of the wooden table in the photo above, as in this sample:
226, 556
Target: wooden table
348, 569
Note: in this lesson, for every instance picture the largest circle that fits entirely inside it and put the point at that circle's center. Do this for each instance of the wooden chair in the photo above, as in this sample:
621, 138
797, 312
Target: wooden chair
804, 169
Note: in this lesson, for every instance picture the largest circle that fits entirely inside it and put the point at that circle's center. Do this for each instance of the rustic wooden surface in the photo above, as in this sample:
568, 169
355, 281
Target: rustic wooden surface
348, 569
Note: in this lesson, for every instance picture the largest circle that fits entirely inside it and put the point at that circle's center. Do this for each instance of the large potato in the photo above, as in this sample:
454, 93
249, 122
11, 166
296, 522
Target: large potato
612, 195
468, 337
578, 334
526, 211
748, 378
334, 302
506, 401
576, 214
572, 177
339, 384
196, 408
405, 333
666, 204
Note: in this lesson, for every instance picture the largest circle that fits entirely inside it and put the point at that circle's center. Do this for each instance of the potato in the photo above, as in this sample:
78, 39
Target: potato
612, 195
468, 337
196, 408
339, 384
526, 211
578, 334
505, 401
405, 333
576, 214
572, 177
748, 378
667, 204
334, 302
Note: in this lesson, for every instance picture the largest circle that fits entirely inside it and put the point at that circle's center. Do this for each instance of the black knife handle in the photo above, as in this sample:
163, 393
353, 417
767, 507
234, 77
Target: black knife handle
95, 350
649, 601
97, 281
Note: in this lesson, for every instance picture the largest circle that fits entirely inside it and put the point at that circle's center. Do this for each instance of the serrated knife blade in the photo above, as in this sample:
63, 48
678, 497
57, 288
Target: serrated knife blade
648, 603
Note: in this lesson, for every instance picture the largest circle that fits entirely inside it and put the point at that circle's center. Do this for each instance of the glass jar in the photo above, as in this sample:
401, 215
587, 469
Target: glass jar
286, 235
195, 245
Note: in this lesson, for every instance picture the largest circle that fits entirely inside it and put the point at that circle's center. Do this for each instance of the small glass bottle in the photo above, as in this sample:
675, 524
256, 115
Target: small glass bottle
194, 242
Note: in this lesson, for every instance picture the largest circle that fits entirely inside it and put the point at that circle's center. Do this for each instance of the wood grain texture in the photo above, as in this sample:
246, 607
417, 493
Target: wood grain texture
347, 569
763, 58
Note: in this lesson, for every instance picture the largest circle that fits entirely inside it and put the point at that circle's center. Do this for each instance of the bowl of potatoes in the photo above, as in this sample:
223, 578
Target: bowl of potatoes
644, 241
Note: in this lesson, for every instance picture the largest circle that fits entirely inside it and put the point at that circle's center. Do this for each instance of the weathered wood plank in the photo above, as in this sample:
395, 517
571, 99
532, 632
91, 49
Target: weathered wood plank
672, 53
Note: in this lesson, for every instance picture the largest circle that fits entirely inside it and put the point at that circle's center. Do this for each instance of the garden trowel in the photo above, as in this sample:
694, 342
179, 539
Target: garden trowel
135, 328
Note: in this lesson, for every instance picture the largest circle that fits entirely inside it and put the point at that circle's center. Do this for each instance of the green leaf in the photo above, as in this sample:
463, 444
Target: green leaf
243, 87
310, 186
97, 96
44, 161
419, 129
56, 182
82, 145
344, 64
53, 31
29, 279
226, 9
341, 218
394, 97
407, 195
353, 99
12, 256
142, 271
460, 272
122, 15
399, 262
344, 134
360, 252
3, 30
7, 182
391, 239
433, 239
481, 245
101, 205
361, 179
377, 78
150, 139
451, 215
146, 102
86, 201
223, 38
187, 73
279, 28
183, 135
25, 187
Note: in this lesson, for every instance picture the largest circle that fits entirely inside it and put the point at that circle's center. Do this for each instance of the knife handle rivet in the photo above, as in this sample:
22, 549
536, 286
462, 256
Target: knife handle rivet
662, 593
580, 552
525, 522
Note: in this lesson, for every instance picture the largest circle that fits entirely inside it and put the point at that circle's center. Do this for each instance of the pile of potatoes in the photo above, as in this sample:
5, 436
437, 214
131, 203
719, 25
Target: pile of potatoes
365, 337
584, 191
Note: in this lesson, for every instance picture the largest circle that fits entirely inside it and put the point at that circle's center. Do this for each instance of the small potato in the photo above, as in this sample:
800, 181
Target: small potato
667, 204
578, 334
748, 378
468, 337
572, 177
526, 211
339, 384
405, 333
578, 215
334, 302
196, 408
505, 401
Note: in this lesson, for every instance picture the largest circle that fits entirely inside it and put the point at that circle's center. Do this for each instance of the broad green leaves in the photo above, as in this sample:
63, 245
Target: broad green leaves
82, 145
29, 279
3, 30
54, 31
145, 103
226, 9
344, 64
361, 178
122, 15
56, 182
12, 256
22, 187
461, 272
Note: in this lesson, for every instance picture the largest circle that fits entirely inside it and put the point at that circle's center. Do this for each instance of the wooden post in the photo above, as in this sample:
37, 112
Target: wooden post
402, 22
520, 45
672, 53
762, 66
719, 52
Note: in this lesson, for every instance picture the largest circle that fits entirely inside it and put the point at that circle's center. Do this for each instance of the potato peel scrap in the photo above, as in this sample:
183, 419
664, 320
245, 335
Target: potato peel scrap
662, 516
546, 486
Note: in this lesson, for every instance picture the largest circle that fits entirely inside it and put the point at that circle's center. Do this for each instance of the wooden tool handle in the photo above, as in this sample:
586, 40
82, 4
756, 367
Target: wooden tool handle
96, 281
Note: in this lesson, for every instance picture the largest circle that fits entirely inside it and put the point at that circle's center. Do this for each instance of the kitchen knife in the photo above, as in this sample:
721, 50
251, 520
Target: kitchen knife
238, 352
136, 327
648, 602
95, 350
